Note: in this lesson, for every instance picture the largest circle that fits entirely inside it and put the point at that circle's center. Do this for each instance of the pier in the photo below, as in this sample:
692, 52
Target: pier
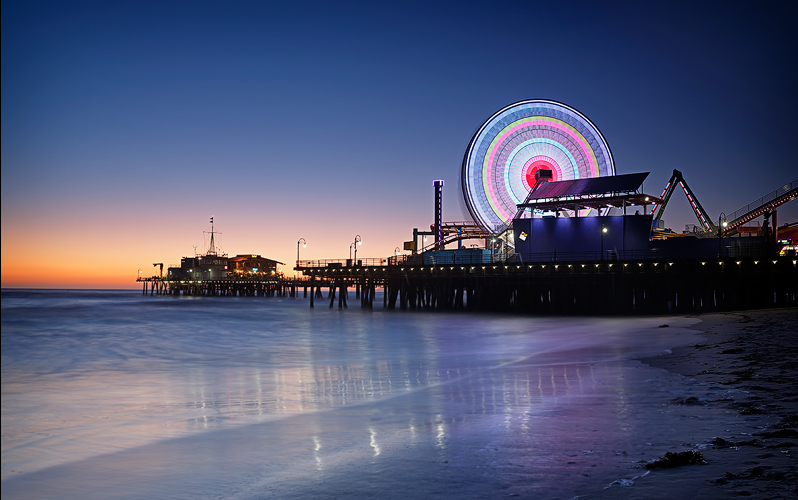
571, 246
228, 286
569, 287
554, 284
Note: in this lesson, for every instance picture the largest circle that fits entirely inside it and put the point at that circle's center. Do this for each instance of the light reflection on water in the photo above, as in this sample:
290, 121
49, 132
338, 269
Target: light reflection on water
88, 373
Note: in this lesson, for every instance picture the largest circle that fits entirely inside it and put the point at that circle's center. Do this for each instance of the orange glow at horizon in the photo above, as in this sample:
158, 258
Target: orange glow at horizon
107, 249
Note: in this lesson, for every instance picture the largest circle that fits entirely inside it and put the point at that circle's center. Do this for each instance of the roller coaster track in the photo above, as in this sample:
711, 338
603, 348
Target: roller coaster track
454, 231
767, 203
762, 206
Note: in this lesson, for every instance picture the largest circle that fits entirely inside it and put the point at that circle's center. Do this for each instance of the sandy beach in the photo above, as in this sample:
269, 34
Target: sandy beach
746, 368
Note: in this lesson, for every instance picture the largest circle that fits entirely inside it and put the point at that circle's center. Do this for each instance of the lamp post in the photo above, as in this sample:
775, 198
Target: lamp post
721, 225
603, 230
357, 242
304, 245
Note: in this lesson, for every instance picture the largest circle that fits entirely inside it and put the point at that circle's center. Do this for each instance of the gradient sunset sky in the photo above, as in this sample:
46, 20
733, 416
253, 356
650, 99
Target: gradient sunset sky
127, 125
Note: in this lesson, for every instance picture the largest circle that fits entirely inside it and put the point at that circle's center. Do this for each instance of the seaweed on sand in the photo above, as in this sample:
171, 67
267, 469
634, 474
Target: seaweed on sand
671, 460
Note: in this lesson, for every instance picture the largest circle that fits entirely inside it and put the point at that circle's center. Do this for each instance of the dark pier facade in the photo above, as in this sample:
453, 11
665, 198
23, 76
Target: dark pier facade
559, 287
576, 287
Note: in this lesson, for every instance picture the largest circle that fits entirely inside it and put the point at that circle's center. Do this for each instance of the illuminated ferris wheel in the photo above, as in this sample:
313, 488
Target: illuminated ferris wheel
501, 160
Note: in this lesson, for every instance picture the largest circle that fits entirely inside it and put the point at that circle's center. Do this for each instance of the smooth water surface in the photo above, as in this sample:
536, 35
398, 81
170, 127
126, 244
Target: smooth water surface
110, 394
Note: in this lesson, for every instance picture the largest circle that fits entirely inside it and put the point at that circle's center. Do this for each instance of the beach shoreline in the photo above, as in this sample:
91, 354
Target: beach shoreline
745, 368
400, 405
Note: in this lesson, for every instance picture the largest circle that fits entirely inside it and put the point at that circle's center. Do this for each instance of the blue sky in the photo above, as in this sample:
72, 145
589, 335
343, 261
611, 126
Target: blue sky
124, 122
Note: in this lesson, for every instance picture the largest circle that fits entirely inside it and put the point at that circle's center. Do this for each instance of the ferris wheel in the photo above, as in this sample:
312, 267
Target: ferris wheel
501, 160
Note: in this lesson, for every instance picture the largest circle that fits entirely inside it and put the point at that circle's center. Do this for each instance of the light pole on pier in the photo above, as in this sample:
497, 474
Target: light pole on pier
721, 226
358, 241
603, 230
304, 245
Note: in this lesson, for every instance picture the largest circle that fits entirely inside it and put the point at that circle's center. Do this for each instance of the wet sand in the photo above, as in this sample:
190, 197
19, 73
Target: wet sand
746, 367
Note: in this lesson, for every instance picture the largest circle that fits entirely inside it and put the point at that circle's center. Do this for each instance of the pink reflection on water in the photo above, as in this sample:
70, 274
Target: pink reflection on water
512, 401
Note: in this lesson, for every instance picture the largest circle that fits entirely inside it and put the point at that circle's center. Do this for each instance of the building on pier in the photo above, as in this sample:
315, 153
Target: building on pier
200, 267
252, 265
574, 218
215, 265
588, 219
210, 266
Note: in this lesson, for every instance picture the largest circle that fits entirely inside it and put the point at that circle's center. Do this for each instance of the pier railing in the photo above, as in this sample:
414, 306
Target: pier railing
416, 259
344, 262
726, 248
219, 279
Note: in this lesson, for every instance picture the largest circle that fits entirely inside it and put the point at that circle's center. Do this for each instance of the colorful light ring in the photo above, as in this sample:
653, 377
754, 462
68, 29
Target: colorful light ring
501, 160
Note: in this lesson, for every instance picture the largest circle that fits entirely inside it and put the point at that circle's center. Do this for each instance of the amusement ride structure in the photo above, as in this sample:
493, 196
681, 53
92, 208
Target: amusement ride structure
528, 144
510, 151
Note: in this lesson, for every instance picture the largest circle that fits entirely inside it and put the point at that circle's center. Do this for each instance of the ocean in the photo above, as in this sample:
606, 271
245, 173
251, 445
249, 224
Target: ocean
111, 394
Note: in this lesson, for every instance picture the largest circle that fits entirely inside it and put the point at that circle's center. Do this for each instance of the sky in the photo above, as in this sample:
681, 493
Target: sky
127, 125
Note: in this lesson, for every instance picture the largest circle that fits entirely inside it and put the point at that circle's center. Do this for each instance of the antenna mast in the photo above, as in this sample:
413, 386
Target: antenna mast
211, 247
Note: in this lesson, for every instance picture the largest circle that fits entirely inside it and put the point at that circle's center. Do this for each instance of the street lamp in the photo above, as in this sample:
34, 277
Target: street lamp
357, 242
603, 230
397, 251
304, 245
721, 226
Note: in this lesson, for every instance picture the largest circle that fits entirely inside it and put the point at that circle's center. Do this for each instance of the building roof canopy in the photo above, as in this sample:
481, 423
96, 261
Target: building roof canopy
614, 184
596, 192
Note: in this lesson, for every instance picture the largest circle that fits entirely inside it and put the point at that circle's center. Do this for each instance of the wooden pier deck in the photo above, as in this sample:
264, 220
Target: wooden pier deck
616, 287
250, 287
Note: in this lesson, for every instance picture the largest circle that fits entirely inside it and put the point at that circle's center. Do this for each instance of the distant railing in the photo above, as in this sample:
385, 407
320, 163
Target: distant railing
430, 258
471, 258
344, 262
231, 279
